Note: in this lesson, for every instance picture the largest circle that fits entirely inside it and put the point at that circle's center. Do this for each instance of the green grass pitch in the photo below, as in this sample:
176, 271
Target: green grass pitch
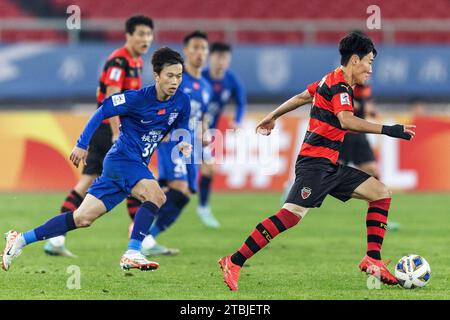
315, 260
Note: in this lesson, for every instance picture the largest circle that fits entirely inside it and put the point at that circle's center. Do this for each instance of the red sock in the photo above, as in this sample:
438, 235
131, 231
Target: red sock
263, 233
133, 205
72, 202
376, 223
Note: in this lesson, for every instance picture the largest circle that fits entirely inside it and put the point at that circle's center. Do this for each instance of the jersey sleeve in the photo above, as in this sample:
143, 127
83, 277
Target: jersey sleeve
342, 98
240, 98
116, 105
115, 72
312, 88
121, 104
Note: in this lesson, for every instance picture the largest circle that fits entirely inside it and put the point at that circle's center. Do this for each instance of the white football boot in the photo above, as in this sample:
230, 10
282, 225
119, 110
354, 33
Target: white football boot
137, 261
11, 250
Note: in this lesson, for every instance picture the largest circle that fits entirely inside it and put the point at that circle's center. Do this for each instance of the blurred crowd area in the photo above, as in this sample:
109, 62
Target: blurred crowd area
279, 47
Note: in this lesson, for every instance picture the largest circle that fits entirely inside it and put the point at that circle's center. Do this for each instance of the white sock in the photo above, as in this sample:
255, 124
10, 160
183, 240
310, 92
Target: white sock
131, 251
58, 241
20, 242
149, 242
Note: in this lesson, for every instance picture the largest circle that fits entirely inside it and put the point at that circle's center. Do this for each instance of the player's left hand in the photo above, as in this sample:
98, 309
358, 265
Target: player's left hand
78, 155
185, 148
266, 125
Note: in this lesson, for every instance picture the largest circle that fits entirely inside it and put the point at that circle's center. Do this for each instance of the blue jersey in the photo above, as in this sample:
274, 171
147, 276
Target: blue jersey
199, 90
224, 90
144, 121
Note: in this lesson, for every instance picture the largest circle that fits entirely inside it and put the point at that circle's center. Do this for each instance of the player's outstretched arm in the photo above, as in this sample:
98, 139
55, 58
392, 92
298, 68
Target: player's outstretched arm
350, 122
268, 123
114, 122
113, 106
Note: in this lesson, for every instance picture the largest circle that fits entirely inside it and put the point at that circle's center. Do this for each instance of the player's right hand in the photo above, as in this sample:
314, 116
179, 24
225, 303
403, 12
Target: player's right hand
78, 155
266, 125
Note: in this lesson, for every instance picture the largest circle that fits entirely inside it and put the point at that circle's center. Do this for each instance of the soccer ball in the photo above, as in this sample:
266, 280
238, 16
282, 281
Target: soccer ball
412, 271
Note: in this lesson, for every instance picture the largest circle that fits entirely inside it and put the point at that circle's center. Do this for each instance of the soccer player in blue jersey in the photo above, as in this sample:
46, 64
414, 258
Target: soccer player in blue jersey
226, 87
147, 116
178, 175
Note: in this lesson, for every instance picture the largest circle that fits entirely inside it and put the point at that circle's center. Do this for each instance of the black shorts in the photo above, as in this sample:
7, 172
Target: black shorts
356, 149
315, 178
99, 146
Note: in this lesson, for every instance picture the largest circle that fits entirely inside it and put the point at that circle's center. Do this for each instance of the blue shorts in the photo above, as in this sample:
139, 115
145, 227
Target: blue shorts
176, 169
118, 178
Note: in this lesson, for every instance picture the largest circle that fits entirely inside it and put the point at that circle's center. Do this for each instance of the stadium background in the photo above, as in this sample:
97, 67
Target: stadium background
49, 74
48, 78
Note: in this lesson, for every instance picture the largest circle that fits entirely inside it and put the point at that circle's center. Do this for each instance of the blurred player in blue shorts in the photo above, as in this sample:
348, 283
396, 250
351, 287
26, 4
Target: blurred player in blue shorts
226, 86
177, 175
147, 116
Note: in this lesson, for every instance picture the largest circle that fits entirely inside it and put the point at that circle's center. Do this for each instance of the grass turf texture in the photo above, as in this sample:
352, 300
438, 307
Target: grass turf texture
315, 260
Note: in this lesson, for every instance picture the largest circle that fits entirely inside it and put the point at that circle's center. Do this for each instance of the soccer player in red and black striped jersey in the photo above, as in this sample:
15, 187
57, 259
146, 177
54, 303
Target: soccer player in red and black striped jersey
317, 171
122, 71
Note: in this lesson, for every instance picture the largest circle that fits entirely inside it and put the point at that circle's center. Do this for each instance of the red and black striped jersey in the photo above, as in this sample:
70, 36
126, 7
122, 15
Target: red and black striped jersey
324, 136
120, 70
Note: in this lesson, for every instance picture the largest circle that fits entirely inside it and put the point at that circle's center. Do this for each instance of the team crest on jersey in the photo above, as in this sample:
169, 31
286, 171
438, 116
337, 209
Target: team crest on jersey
305, 192
172, 117
205, 96
225, 95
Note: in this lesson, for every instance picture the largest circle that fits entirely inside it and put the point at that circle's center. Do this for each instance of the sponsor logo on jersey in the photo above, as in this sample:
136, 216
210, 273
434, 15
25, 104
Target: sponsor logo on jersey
152, 136
161, 112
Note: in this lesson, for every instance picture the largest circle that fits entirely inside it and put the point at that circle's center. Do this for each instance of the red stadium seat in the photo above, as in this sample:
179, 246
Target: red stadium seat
261, 10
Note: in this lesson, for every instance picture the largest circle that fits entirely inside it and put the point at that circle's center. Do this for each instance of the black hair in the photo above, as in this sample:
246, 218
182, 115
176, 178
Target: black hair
194, 34
220, 47
132, 22
165, 57
356, 42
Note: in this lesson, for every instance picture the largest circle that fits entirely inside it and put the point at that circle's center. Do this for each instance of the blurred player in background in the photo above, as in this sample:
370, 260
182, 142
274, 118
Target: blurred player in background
122, 71
125, 171
356, 148
226, 86
180, 178
317, 171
